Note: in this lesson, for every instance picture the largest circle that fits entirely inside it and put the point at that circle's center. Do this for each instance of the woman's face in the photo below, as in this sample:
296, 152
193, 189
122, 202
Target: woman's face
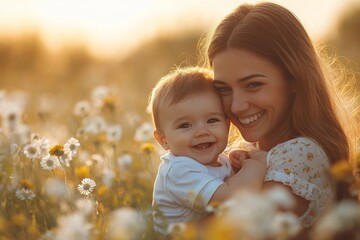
256, 96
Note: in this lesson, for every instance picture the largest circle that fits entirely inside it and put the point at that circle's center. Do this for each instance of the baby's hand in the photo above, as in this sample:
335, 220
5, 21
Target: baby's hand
258, 155
237, 157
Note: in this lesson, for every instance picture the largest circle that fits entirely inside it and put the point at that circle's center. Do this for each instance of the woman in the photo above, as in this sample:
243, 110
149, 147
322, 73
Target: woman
275, 93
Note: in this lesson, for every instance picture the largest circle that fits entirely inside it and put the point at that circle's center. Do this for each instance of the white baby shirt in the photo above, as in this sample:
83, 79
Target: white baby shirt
183, 188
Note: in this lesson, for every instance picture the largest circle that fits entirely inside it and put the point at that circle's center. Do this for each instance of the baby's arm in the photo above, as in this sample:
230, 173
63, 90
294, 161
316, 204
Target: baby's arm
250, 176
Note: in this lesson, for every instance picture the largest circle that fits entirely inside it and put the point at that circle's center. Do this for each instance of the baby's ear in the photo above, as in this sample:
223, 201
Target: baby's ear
161, 139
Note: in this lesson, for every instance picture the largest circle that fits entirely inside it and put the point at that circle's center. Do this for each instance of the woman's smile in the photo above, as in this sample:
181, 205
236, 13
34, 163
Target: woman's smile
255, 93
250, 119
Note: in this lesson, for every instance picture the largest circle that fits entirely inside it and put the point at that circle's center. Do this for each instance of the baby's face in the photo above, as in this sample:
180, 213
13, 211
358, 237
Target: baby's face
195, 127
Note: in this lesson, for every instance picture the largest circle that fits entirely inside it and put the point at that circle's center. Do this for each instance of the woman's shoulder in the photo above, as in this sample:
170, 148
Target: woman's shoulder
299, 148
298, 141
296, 144
302, 164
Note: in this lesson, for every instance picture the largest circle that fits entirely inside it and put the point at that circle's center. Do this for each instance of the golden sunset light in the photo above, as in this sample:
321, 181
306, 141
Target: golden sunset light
179, 119
108, 27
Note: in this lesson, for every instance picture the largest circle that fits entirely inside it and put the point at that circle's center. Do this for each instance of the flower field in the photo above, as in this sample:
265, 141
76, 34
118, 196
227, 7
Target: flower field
92, 179
78, 160
94, 184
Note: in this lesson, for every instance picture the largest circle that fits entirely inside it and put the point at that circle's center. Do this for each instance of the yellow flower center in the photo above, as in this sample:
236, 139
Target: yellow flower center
27, 184
57, 150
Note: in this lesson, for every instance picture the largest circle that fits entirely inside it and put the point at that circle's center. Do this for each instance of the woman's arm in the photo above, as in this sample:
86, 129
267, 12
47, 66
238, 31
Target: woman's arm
300, 203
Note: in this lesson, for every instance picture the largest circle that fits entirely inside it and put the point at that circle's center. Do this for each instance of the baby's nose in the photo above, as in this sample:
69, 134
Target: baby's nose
202, 132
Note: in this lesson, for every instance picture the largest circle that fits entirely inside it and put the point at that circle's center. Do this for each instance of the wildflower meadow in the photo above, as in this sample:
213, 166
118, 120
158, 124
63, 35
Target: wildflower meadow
92, 185
94, 181
78, 159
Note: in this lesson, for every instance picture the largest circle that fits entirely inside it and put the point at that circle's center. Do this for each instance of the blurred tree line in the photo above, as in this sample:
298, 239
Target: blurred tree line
71, 73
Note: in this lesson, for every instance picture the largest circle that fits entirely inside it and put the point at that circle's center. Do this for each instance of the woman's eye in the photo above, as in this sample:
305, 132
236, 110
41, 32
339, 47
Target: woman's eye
222, 89
184, 125
253, 84
213, 120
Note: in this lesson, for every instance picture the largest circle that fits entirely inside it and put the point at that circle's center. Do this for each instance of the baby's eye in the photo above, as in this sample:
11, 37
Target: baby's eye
184, 125
213, 120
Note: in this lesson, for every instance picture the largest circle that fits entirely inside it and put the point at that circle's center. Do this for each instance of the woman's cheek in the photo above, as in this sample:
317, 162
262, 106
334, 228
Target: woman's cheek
226, 102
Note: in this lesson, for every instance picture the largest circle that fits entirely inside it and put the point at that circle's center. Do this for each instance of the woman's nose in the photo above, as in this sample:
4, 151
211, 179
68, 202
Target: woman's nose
239, 103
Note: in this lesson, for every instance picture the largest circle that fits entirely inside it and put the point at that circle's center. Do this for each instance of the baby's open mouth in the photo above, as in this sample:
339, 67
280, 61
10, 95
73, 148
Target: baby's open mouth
203, 145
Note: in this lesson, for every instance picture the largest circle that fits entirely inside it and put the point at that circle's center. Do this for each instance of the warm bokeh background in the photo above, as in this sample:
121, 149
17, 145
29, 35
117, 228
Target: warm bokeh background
59, 50
84, 69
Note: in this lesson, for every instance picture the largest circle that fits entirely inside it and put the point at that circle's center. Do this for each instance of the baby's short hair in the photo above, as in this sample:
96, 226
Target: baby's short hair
177, 85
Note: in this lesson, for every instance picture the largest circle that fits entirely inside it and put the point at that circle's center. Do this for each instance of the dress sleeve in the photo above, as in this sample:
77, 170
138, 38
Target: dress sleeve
303, 165
191, 185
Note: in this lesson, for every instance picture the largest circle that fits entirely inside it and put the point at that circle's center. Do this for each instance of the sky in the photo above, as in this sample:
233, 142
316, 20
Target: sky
109, 27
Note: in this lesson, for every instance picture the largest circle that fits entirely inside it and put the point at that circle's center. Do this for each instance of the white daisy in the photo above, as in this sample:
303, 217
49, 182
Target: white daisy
82, 108
43, 144
114, 133
48, 235
84, 158
71, 147
65, 160
73, 226
124, 161
55, 188
32, 151
254, 212
12, 109
144, 133
45, 104
98, 95
286, 224
94, 125
132, 118
280, 197
20, 133
85, 205
97, 158
344, 217
87, 186
108, 177
126, 223
50, 162
24, 194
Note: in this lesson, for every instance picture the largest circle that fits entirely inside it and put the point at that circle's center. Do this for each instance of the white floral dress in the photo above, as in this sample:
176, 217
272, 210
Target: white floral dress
302, 164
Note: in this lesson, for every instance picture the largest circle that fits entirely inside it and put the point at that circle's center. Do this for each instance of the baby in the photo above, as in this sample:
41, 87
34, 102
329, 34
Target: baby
190, 123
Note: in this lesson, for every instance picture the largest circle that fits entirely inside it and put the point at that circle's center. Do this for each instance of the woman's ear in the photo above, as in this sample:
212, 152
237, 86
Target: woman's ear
161, 139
